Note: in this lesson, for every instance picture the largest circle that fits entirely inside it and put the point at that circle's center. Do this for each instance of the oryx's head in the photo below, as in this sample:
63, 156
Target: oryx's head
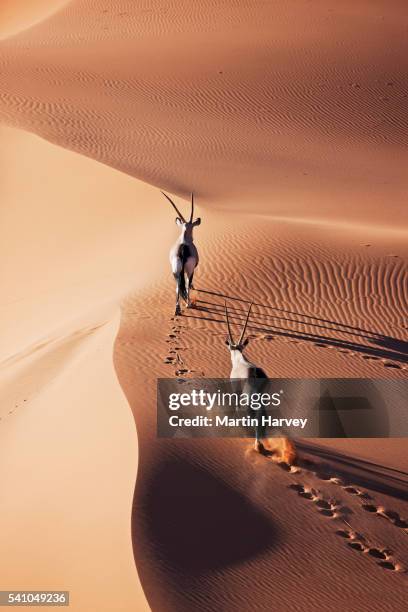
186, 226
241, 344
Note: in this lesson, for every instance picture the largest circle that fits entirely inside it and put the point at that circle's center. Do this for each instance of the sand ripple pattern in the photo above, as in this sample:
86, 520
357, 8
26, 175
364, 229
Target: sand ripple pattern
290, 104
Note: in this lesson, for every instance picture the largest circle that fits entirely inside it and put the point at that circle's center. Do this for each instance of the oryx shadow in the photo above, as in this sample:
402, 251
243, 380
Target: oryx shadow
354, 470
370, 343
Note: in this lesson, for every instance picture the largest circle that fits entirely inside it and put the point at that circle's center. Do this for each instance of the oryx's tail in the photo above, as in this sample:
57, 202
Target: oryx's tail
183, 254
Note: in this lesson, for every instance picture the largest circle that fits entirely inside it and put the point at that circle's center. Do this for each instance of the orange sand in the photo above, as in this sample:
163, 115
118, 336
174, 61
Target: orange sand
289, 122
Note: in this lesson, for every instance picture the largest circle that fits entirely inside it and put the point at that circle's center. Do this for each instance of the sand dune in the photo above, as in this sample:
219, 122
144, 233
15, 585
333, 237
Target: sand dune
325, 302
68, 442
297, 108
288, 120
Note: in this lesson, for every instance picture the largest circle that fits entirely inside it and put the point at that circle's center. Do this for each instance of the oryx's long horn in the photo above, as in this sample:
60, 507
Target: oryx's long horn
192, 207
174, 206
246, 323
228, 324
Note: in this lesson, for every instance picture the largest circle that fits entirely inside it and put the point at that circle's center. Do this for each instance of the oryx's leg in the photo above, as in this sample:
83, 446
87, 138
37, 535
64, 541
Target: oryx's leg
259, 432
189, 286
177, 269
257, 443
189, 268
178, 309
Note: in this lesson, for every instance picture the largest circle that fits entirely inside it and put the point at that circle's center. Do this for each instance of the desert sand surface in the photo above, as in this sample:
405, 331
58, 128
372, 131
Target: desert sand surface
288, 120
229, 530
19, 15
68, 442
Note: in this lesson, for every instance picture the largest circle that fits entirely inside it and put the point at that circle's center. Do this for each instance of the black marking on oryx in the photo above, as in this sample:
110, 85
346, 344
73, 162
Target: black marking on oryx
258, 373
184, 252
184, 255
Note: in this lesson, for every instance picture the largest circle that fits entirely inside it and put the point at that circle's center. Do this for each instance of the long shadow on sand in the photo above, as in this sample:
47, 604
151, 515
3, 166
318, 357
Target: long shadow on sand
368, 474
194, 520
387, 346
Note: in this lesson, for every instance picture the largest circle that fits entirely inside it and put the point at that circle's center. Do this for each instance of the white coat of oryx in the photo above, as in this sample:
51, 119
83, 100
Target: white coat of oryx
184, 255
244, 369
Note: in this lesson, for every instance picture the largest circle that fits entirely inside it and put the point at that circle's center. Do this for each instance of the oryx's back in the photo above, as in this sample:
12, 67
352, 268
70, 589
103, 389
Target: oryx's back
184, 255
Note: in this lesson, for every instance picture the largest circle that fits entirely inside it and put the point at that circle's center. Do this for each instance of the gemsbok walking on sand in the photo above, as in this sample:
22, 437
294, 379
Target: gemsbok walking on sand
184, 255
244, 369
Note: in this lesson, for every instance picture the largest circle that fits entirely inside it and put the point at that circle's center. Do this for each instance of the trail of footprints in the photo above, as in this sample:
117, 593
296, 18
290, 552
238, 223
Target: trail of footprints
366, 501
331, 508
174, 356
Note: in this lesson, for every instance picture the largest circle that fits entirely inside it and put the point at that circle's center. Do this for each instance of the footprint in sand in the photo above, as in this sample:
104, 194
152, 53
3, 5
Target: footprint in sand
339, 482
174, 357
378, 553
389, 565
356, 541
325, 507
299, 488
292, 469
354, 491
350, 535
391, 515
388, 364
359, 543
371, 508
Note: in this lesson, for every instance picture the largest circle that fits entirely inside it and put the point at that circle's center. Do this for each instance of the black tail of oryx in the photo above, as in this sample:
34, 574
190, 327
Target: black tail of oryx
183, 254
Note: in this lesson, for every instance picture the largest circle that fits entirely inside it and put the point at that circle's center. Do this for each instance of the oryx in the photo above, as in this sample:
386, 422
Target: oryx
184, 255
244, 369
